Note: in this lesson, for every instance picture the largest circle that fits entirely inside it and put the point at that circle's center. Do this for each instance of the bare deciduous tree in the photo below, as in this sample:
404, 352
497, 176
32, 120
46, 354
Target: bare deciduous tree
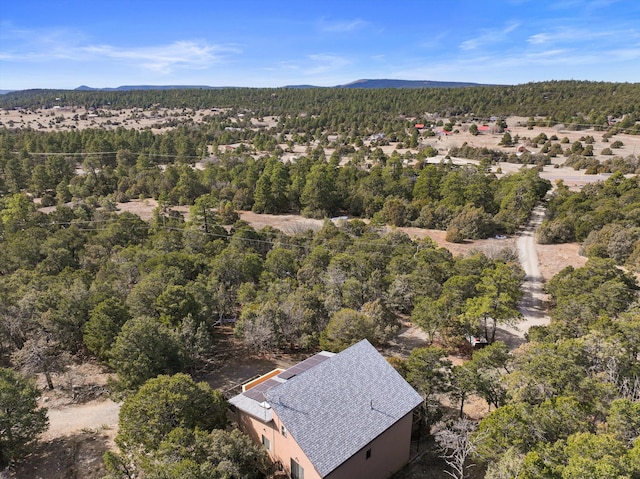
457, 442
42, 356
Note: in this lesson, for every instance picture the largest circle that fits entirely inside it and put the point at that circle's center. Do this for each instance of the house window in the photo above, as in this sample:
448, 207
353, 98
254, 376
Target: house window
296, 470
368, 454
283, 430
266, 443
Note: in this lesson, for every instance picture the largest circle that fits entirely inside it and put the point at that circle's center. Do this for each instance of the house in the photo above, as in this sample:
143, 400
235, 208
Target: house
334, 416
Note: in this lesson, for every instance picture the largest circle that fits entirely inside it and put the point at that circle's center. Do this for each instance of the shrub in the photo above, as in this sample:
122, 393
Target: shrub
454, 235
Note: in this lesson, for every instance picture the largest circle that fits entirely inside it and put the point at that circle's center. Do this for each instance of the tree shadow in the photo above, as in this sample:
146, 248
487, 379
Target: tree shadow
510, 339
78, 455
407, 339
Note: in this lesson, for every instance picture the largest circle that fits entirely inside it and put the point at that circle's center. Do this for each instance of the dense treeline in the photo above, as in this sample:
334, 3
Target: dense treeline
560, 101
565, 404
571, 394
125, 164
145, 297
603, 216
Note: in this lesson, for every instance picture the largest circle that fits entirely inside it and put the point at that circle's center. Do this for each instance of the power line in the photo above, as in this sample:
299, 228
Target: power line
144, 153
205, 233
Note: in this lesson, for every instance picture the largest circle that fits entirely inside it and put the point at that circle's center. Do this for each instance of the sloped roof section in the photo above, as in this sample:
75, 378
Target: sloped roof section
340, 405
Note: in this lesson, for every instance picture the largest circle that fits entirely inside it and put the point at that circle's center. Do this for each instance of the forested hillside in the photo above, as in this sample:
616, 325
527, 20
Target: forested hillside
80, 279
562, 101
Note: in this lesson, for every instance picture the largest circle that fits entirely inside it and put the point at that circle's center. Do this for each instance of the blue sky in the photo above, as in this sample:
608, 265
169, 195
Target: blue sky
65, 44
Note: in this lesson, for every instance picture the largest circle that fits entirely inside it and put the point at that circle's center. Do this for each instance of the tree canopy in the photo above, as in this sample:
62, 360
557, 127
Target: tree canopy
570, 393
21, 420
174, 427
166, 403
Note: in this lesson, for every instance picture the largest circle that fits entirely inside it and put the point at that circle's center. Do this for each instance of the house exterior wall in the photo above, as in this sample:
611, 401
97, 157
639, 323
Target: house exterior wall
282, 449
389, 451
286, 448
253, 427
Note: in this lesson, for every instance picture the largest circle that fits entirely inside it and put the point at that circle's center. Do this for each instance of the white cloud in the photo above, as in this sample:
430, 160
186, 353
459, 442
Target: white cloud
626, 54
289, 65
164, 58
569, 35
545, 64
341, 26
20, 45
540, 38
489, 37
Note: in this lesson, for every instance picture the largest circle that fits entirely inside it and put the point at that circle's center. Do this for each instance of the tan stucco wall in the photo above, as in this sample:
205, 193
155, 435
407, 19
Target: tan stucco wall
253, 428
389, 451
282, 448
287, 448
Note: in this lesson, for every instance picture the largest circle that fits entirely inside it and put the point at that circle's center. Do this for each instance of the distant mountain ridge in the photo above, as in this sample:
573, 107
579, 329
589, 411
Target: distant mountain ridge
381, 83
407, 84
151, 87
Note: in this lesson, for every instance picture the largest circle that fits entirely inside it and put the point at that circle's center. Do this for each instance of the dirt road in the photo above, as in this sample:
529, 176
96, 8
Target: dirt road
532, 305
93, 415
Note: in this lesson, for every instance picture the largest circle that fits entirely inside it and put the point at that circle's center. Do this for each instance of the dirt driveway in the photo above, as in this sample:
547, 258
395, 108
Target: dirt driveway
533, 304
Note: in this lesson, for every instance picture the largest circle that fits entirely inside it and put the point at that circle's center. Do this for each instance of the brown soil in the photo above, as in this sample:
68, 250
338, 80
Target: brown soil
555, 257
82, 425
76, 456
290, 224
61, 119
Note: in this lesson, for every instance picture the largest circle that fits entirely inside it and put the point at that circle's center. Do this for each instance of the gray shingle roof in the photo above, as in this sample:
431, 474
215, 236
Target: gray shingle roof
339, 406
259, 410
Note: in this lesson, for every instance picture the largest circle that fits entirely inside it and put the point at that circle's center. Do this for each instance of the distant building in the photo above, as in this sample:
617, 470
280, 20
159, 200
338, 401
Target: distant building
335, 416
